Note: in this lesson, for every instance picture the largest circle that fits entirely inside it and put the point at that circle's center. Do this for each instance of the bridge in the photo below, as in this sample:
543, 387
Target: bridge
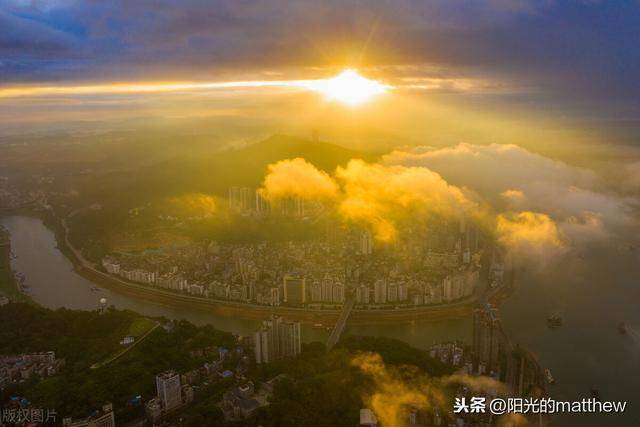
334, 337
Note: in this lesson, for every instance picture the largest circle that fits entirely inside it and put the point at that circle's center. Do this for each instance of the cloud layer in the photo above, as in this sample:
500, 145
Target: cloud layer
531, 203
513, 179
536, 43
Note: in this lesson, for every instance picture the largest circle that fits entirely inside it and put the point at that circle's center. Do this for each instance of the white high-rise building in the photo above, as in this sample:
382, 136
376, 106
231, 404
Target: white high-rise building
274, 294
327, 289
447, 289
366, 243
392, 292
466, 256
276, 339
169, 389
241, 199
262, 204
262, 349
338, 293
290, 342
403, 292
453, 287
362, 294
380, 291
295, 291
316, 291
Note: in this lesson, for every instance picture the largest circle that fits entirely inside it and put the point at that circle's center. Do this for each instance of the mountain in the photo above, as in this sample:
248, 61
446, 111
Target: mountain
195, 169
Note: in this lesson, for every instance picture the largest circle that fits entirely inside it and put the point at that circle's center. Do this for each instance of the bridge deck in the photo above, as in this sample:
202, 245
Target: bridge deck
334, 337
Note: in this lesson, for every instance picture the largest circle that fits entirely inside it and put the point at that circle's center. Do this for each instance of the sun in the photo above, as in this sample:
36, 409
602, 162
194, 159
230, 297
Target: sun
348, 87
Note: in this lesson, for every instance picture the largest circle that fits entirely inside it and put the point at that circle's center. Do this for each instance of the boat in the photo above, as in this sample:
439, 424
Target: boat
548, 376
554, 321
622, 328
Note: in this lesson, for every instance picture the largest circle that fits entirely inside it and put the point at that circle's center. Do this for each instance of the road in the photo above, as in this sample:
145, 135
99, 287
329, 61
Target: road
125, 350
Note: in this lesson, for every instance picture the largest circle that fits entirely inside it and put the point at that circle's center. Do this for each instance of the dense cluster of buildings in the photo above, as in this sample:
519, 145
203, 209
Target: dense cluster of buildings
252, 201
423, 268
18, 368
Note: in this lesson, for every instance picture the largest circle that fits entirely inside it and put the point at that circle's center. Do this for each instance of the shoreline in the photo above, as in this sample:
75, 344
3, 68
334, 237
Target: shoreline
456, 310
14, 292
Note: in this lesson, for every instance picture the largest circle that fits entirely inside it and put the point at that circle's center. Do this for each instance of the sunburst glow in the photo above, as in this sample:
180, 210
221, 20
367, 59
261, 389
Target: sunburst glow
348, 87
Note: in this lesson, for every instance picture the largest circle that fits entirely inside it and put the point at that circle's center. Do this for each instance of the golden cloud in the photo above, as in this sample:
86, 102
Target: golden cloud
398, 389
391, 396
374, 195
528, 230
194, 204
513, 195
379, 196
297, 178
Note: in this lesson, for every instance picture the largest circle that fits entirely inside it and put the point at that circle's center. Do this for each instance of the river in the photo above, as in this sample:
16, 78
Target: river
594, 291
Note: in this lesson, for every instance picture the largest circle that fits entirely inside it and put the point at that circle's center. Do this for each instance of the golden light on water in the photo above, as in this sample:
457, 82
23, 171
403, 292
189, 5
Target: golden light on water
348, 87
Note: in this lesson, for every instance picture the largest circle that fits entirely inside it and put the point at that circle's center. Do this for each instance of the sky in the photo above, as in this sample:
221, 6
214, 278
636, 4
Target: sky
567, 66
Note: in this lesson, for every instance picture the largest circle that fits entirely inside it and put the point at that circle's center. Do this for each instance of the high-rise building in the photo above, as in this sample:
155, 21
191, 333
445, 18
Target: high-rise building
290, 343
380, 291
447, 289
169, 389
392, 292
367, 418
262, 204
327, 289
403, 292
466, 256
277, 338
362, 294
366, 243
294, 289
241, 199
338, 293
262, 349
274, 294
316, 291
234, 199
290, 206
486, 339
247, 199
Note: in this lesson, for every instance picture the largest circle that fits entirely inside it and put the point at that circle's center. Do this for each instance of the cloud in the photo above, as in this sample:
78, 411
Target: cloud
381, 196
370, 194
507, 39
297, 178
397, 389
391, 395
193, 204
528, 231
513, 195
514, 179
478, 384
534, 205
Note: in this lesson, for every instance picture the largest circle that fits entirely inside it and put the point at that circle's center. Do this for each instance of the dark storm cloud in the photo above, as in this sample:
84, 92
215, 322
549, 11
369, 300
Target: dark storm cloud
584, 48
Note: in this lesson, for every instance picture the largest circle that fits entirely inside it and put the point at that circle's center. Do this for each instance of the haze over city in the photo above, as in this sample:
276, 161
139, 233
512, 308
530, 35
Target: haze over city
416, 204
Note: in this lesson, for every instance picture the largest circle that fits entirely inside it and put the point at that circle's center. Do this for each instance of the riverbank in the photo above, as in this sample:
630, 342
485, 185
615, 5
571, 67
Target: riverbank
9, 284
90, 272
